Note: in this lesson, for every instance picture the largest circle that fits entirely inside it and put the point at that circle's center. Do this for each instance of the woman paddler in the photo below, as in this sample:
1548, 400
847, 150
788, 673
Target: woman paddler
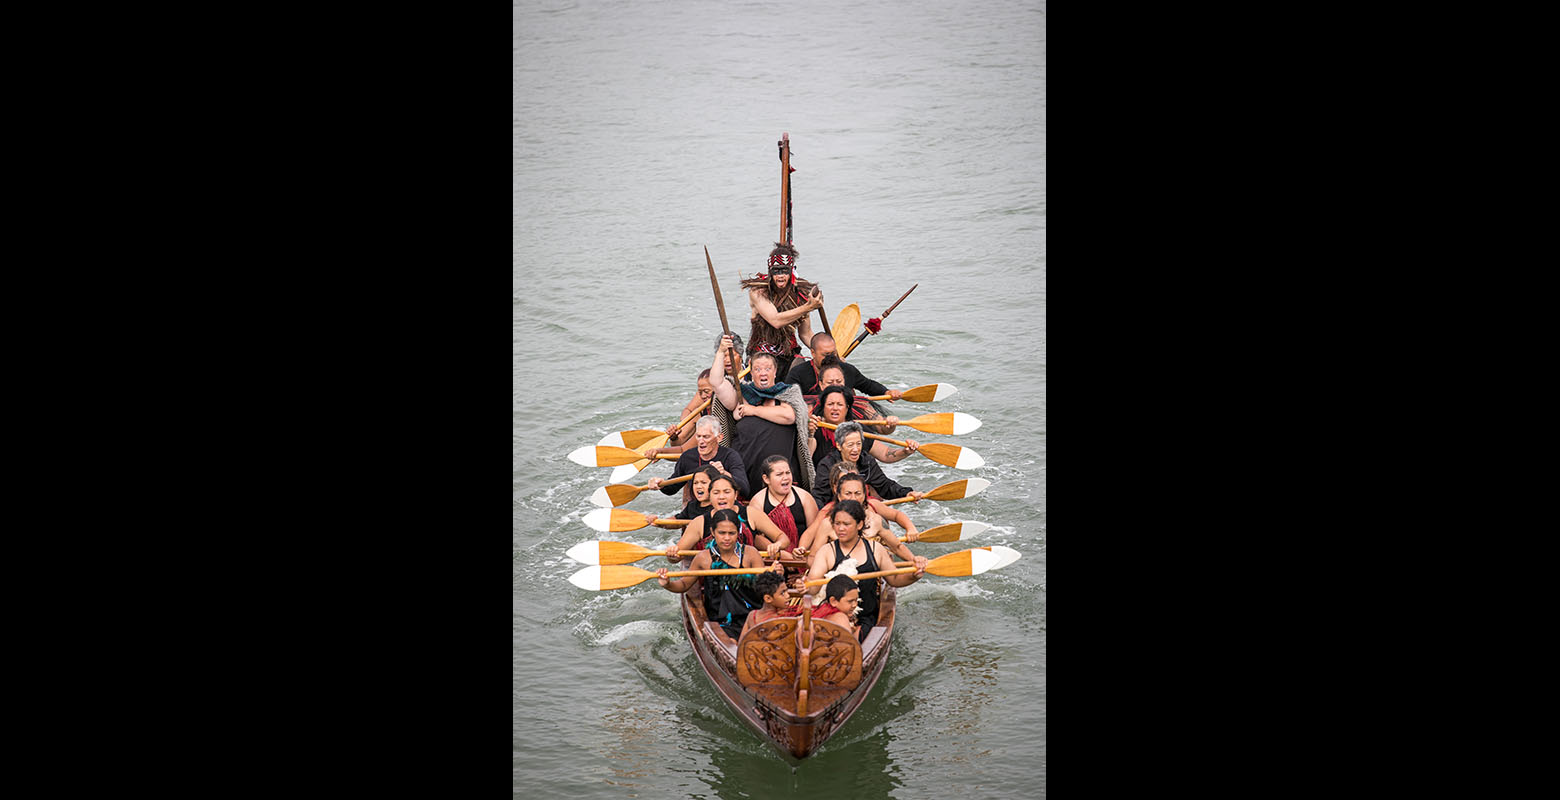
849, 438
790, 511
759, 533
780, 303
850, 486
727, 598
762, 418
848, 519
836, 405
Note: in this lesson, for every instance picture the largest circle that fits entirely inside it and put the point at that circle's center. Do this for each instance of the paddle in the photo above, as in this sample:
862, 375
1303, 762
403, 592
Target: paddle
949, 455
618, 520
595, 455
846, 323
956, 490
922, 394
956, 423
612, 553
950, 532
631, 440
599, 578
626, 471
954, 565
619, 493
873, 325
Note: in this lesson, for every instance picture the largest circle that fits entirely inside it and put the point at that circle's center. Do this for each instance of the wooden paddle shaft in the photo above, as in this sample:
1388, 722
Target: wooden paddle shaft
902, 443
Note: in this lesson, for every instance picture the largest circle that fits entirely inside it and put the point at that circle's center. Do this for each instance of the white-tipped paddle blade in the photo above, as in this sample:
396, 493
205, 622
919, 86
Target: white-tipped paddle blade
585, 456
623, 473
1005, 555
585, 553
983, 560
600, 498
974, 486
587, 578
964, 423
600, 519
969, 459
972, 528
943, 390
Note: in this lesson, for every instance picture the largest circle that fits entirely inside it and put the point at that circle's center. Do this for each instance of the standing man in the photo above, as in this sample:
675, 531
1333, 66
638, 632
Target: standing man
780, 304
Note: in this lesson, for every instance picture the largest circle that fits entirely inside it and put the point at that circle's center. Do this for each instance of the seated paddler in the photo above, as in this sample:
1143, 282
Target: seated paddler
727, 598
848, 519
762, 417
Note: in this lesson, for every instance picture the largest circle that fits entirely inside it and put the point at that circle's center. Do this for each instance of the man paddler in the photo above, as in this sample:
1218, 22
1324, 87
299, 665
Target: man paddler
780, 303
808, 373
707, 452
762, 417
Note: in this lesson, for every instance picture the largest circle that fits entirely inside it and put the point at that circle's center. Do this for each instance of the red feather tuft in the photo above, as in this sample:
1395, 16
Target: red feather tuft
874, 324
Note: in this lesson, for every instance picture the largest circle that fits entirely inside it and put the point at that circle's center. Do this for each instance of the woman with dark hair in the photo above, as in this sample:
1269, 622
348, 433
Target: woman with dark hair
758, 533
850, 486
727, 598
790, 511
836, 405
700, 488
849, 517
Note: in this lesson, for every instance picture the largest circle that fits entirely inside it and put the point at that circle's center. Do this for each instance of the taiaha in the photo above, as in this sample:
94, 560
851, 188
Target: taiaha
873, 325
786, 222
734, 361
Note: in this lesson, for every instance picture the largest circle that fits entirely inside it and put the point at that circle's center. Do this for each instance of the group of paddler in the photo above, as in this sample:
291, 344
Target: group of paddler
782, 493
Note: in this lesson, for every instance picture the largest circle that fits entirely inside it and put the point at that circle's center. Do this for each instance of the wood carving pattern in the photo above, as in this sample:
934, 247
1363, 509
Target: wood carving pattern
767, 654
835, 657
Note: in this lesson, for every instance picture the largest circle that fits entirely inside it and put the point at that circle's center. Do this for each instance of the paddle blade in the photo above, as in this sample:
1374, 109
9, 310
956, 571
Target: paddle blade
625, 472
958, 490
629, 440
615, 577
929, 393
596, 455
952, 455
963, 423
608, 553
1005, 555
951, 531
615, 495
615, 520
846, 324
585, 553
952, 423
963, 563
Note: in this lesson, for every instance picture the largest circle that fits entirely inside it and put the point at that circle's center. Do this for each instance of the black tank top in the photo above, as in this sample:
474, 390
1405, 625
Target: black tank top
866, 617
797, 512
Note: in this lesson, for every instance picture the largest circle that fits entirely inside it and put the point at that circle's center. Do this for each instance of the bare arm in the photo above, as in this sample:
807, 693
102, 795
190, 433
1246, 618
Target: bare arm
680, 585
725, 391
763, 307
888, 455
905, 578
779, 413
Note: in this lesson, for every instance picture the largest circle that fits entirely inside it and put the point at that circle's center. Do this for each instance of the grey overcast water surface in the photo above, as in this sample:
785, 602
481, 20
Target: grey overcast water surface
646, 131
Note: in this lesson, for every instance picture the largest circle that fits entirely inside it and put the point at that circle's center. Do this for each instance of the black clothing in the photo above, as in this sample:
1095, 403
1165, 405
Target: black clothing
689, 463
885, 487
866, 615
802, 374
798, 513
692, 511
729, 598
758, 439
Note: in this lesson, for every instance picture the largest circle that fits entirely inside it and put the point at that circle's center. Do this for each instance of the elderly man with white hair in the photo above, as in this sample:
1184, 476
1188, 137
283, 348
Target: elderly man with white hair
707, 451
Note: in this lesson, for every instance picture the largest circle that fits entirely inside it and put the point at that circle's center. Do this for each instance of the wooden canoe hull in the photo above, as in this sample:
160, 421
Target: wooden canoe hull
772, 711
